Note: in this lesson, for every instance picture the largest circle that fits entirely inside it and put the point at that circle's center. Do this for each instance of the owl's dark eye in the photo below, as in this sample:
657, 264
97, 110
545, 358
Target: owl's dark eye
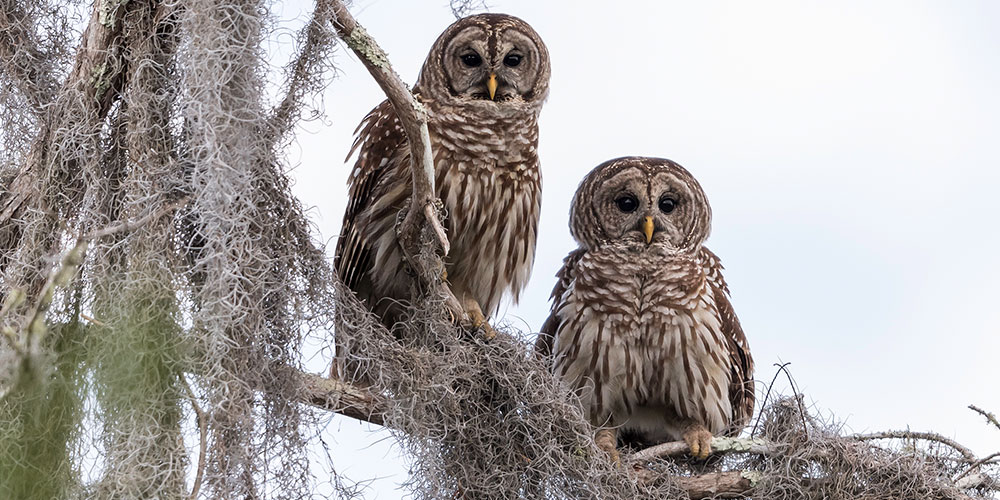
667, 204
627, 203
512, 60
471, 60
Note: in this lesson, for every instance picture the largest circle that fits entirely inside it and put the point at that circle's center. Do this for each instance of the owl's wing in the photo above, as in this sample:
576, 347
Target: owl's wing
565, 276
741, 385
379, 136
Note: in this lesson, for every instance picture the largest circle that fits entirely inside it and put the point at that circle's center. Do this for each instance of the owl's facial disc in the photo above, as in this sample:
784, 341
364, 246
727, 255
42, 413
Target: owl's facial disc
489, 66
640, 210
641, 204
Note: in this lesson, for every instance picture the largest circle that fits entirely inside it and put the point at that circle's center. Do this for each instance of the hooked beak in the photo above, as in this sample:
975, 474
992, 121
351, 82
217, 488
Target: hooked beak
491, 85
647, 228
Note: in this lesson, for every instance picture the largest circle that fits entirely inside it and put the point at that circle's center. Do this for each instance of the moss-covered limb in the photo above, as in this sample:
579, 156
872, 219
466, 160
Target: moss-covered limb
31, 221
109, 11
39, 421
362, 43
728, 484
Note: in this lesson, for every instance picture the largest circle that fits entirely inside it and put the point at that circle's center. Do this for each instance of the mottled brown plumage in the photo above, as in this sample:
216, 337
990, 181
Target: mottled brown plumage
641, 324
483, 85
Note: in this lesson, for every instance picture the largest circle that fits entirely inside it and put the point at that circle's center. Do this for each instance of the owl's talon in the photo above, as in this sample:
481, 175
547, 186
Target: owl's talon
607, 440
488, 332
699, 440
478, 319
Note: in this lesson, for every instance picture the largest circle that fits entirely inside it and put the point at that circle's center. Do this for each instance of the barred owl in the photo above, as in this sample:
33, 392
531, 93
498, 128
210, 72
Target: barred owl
641, 325
483, 84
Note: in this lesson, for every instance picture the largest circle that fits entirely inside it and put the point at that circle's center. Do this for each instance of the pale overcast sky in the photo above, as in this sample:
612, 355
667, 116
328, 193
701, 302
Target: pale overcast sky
850, 151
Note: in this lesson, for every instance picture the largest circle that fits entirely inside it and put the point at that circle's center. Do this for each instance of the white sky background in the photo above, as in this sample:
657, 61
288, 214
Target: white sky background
849, 151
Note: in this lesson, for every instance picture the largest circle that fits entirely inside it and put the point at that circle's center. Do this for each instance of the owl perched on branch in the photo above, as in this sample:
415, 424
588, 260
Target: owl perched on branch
641, 325
483, 85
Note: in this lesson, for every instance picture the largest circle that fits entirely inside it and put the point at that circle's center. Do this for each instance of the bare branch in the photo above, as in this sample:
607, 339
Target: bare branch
991, 418
977, 464
462, 8
340, 397
926, 436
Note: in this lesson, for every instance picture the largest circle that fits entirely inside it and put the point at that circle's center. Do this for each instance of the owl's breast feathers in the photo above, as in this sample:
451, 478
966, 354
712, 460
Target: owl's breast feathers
648, 342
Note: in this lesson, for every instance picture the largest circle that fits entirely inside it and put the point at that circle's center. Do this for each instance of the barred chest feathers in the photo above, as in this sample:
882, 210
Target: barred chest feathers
640, 341
489, 181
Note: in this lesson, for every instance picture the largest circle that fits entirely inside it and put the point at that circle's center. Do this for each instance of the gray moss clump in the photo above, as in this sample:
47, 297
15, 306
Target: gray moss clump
40, 424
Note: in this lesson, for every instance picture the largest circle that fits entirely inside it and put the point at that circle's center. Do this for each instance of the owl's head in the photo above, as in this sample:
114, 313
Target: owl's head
640, 202
484, 60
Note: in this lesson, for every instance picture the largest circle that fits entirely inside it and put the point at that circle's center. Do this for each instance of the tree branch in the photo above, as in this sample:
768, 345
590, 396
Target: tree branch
340, 397
423, 212
926, 436
976, 465
720, 446
728, 484
991, 418
97, 77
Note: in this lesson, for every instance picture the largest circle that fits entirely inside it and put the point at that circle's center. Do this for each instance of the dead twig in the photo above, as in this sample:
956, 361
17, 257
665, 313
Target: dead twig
977, 464
991, 418
767, 395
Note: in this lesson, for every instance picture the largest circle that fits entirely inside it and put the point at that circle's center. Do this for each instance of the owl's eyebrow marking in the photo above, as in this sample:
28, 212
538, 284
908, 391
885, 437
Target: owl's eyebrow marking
491, 45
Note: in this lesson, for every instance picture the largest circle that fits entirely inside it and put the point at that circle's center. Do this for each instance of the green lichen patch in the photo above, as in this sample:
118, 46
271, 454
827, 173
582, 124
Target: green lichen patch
361, 42
108, 12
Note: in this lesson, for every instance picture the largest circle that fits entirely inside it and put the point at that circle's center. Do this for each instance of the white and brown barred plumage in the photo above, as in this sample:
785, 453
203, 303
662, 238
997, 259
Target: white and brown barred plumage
641, 324
483, 85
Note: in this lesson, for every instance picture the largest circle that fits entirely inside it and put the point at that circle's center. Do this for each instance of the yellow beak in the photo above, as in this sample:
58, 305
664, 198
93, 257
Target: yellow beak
491, 85
647, 227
